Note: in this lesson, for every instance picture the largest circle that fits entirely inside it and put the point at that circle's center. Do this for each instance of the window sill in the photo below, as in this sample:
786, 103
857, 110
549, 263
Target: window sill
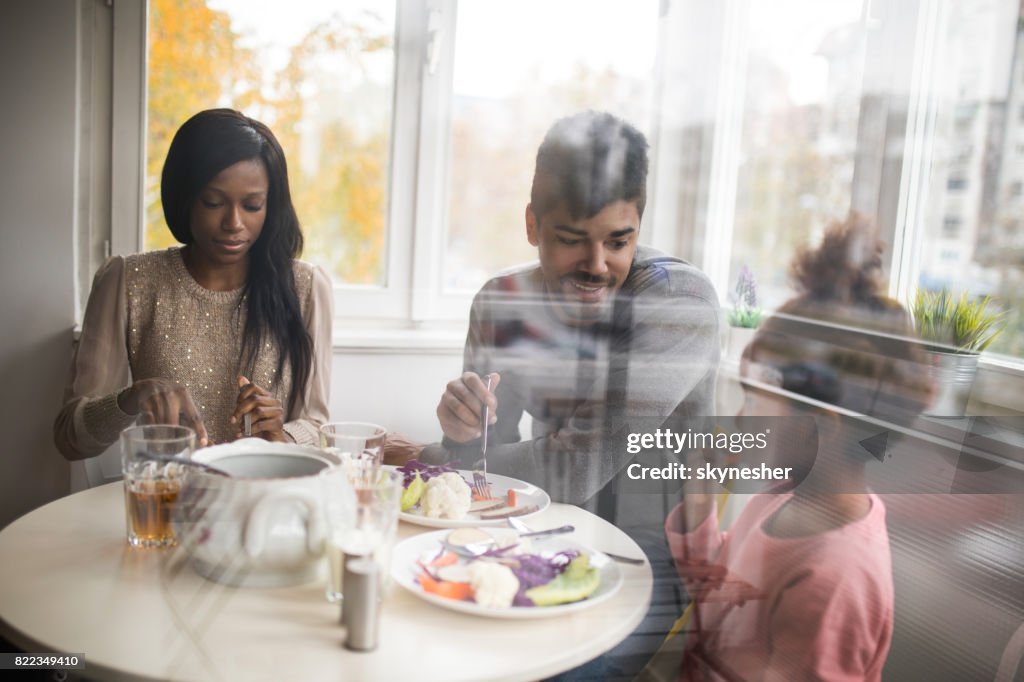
440, 340
996, 390
373, 340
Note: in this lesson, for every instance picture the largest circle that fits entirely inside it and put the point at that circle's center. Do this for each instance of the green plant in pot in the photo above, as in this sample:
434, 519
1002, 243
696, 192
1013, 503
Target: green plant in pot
745, 314
957, 330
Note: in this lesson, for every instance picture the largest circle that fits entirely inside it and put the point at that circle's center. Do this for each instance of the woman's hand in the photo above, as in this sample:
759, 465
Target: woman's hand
162, 401
266, 410
398, 449
460, 409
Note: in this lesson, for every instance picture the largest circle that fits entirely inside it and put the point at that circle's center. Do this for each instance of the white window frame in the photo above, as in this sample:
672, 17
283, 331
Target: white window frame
413, 299
700, 80
359, 305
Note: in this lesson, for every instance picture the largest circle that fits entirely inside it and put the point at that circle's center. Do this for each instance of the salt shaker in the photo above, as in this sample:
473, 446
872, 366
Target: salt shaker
361, 610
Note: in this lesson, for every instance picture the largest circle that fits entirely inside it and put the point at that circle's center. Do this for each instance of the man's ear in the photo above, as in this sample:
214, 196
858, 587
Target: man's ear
532, 228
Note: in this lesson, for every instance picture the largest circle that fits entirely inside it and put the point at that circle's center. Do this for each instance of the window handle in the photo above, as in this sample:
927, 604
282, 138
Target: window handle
434, 37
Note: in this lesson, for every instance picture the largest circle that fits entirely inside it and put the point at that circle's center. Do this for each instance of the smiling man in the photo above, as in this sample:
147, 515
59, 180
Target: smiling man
598, 338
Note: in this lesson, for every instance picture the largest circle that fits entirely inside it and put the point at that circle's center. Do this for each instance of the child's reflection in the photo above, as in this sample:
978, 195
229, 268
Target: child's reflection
800, 586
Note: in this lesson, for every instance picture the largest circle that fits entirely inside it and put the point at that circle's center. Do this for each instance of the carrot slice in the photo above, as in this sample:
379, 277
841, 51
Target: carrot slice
511, 498
446, 559
448, 590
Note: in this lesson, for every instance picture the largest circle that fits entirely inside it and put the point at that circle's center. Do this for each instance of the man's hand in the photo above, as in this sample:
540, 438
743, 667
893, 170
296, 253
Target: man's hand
461, 407
267, 412
162, 401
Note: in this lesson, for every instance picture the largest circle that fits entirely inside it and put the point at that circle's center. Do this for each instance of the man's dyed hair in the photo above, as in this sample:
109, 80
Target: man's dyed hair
588, 161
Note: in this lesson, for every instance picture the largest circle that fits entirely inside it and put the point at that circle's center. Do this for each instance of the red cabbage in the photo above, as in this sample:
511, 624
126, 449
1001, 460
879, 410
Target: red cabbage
426, 471
533, 570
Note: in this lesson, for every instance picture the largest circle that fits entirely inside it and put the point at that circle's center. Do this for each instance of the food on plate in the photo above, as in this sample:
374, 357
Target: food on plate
446, 497
429, 492
468, 536
446, 589
494, 585
413, 492
486, 505
426, 471
508, 574
507, 513
578, 581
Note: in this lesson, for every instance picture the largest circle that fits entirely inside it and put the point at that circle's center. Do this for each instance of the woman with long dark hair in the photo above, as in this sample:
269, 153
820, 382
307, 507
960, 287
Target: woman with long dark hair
229, 324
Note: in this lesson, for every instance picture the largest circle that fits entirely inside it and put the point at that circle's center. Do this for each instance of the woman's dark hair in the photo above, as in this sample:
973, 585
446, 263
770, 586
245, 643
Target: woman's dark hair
206, 144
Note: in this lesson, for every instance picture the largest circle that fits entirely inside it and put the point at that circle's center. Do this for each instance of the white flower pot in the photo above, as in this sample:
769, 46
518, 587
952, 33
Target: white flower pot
953, 374
739, 338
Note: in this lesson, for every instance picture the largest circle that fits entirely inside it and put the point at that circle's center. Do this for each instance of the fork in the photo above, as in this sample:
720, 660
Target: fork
480, 485
523, 528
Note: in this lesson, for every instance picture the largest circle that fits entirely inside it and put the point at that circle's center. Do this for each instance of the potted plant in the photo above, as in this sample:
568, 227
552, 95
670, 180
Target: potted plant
744, 316
956, 331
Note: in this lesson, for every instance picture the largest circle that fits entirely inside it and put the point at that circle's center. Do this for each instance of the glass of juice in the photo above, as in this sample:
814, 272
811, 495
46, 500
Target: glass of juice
152, 480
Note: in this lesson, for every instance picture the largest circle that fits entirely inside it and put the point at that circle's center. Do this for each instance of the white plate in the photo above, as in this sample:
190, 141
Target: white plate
526, 494
404, 570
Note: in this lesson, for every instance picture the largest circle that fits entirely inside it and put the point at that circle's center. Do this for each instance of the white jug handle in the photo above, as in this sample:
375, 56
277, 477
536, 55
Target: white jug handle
256, 522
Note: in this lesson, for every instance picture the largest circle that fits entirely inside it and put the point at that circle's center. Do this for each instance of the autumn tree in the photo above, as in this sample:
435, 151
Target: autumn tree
334, 112
195, 63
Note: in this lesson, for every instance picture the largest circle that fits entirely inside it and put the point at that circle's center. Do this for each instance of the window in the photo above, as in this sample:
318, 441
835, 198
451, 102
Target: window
766, 120
496, 123
817, 108
983, 40
802, 109
448, 167
506, 72
322, 77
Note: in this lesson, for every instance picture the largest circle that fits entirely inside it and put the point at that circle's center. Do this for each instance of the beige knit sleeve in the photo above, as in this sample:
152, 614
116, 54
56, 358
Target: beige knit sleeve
90, 419
311, 410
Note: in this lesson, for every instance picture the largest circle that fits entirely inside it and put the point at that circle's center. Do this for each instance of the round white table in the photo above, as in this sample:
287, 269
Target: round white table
70, 583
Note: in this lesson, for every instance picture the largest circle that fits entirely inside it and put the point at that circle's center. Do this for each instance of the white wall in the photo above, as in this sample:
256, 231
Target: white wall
396, 390
37, 202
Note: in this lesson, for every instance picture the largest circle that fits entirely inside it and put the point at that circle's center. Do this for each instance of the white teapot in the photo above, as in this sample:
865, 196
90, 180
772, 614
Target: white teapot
261, 526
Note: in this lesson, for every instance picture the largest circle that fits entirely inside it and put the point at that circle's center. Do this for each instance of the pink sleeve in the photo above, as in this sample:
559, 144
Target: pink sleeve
702, 545
826, 626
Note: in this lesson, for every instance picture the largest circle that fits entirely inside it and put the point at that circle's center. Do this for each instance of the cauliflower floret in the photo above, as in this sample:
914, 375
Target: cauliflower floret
494, 585
447, 497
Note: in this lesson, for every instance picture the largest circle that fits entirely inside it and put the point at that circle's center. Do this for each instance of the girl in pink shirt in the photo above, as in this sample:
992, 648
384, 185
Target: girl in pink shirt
800, 587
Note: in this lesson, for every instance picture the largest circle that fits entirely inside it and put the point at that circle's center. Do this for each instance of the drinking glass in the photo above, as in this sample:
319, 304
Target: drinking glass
353, 440
358, 445
362, 520
152, 482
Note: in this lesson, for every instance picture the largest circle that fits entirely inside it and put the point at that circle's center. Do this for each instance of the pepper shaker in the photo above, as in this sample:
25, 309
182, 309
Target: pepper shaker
360, 612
